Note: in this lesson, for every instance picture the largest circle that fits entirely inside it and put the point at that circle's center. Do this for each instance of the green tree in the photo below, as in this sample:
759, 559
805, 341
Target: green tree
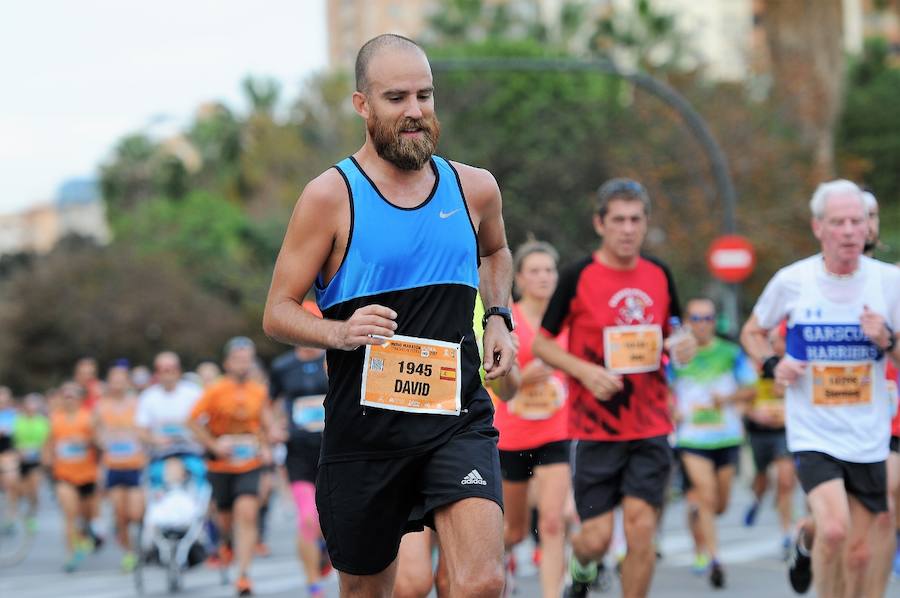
869, 132
105, 302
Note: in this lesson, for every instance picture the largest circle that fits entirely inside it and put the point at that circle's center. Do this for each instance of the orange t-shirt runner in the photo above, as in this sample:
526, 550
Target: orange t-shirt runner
122, 446
72, 441
535, 416
233, 409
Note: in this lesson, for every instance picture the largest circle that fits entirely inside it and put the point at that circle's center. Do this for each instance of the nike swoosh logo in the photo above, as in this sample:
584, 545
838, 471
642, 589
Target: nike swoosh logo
444, 214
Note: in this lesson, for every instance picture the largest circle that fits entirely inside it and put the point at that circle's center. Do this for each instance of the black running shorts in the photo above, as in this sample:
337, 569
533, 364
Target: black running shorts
866, 482
605, 472
767, 447
518, 466
366, 506
226, 487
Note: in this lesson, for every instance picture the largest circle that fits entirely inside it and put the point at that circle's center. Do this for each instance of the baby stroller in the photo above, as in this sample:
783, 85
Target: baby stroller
172, 533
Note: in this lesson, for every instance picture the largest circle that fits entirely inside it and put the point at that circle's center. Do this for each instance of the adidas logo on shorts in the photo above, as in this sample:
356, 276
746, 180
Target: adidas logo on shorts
474, 478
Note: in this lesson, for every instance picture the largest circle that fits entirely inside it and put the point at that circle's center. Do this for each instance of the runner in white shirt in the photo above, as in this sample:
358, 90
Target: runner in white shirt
162, 415
842, 310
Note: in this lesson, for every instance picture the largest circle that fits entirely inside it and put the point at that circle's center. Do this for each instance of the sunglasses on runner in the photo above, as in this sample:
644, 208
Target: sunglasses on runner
711, 318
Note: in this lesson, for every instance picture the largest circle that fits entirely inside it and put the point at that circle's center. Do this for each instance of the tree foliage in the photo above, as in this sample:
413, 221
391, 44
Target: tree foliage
105, 302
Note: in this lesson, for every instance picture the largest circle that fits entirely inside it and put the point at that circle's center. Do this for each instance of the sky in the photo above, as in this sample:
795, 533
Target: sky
78, 75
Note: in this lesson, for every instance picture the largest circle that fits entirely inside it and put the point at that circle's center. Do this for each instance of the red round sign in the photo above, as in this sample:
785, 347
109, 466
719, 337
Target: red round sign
731, 258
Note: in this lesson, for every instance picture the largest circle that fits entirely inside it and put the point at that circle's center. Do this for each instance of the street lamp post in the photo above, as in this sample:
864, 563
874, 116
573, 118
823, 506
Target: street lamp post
664, 92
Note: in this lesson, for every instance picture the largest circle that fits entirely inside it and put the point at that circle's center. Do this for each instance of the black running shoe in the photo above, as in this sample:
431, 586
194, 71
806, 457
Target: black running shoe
578, 589
799, 567
603, 581
716, 575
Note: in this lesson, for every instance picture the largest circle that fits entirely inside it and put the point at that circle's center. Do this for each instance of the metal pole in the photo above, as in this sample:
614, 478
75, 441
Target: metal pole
663, 91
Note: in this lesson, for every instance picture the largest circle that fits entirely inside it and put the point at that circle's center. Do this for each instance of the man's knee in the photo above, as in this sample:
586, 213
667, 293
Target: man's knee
832, 534
412, 586
593, 541
550, 525
859, 555
246, 508
484, 579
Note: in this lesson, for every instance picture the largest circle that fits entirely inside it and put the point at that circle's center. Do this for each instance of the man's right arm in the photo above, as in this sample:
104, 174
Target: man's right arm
305, 252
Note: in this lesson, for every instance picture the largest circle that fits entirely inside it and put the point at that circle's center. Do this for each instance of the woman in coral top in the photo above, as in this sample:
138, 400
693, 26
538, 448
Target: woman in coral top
72, 455
533, 424
123, 456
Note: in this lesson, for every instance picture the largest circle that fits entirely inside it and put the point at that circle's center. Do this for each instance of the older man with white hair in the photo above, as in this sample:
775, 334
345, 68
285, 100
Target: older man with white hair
842, 309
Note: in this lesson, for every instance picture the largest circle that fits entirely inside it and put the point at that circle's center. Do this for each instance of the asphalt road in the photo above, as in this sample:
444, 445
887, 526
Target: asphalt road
751, 557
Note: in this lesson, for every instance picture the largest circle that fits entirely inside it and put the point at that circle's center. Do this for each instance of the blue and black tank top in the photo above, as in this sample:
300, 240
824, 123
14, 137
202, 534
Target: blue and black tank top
422, 262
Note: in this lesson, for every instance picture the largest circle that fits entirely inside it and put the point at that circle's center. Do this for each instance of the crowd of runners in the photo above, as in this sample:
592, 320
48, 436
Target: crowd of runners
474, 396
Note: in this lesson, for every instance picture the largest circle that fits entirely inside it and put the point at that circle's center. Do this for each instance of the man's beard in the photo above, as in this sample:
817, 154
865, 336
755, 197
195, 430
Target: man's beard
870, 246
406, 153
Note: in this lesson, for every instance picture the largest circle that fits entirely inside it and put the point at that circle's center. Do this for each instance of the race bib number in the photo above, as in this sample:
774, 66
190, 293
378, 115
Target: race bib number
707, 417
122, 449
841, 384
72, 450
538, 401
308, 413
244, 447
414, 375
173, 431
632, 349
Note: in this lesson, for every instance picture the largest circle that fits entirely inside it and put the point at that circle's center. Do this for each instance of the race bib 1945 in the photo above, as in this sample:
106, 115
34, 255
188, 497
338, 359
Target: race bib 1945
414, 375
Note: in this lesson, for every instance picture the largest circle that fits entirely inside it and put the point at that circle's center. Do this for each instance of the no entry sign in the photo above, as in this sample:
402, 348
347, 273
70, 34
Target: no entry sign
731, 258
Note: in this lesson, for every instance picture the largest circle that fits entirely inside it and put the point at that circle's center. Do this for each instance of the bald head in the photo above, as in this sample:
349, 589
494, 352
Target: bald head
386, 41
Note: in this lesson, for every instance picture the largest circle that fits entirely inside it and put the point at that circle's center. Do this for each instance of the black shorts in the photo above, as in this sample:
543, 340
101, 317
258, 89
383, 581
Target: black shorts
226, 487
518, 466
866, 482
365, 507
302, 459
720, 457
605, 472
26, 467
128, 478
767, 447
895, 444
84, 490
5, 444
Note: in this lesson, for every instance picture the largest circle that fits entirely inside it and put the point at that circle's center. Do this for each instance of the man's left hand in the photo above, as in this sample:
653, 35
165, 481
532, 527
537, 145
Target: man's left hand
499, 349
873, 326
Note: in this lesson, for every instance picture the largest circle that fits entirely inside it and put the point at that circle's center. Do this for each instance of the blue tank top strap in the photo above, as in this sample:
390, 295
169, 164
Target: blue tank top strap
391, 248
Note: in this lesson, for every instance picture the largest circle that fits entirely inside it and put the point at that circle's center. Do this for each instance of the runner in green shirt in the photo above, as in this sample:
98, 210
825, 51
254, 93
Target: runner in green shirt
30, 432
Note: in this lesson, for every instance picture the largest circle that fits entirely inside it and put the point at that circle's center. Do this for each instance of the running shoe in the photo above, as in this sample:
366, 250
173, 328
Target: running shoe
716, 575
700, 565
603, 581
786, 548
799, 565
583, 576
750, 515
74, 561
129, 562
897, 562
315, 590
31, 524
243, 586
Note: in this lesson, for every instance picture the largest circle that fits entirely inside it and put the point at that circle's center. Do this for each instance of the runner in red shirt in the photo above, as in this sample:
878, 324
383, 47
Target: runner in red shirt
616, 305
533, 424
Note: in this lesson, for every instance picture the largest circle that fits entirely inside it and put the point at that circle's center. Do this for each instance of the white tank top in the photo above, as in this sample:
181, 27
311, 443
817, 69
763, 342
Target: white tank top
838, 406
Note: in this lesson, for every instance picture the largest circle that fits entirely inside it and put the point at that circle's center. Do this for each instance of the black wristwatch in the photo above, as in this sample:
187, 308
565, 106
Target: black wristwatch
503, 312
892, 342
